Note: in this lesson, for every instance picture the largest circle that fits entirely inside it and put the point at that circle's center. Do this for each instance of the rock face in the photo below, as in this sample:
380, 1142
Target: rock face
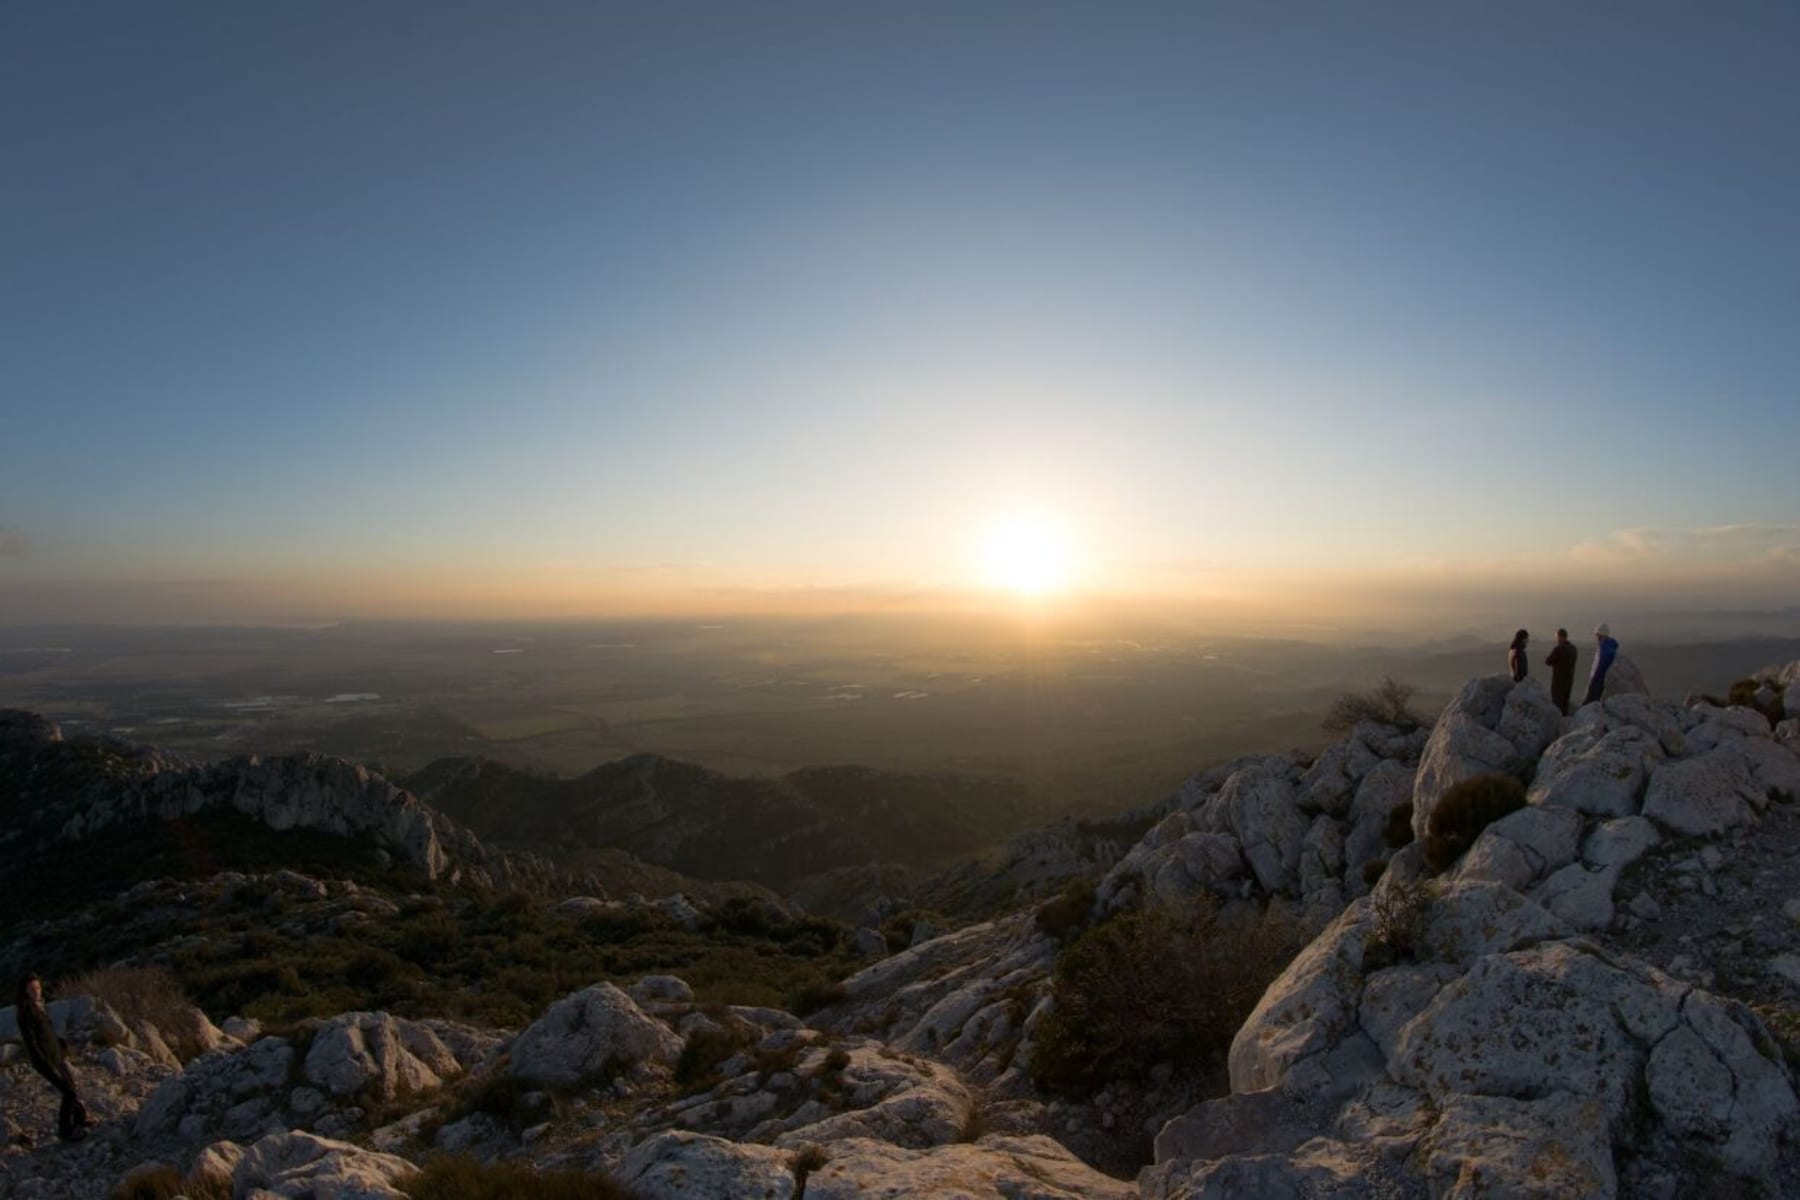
111, 782
1464, 1026
590, 1034
1493, 726
1274, 826
303, 1165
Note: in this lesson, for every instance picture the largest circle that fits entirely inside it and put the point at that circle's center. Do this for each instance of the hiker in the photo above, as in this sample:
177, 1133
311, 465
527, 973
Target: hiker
45, 1050
1608, 649
1562, 670
1515, 656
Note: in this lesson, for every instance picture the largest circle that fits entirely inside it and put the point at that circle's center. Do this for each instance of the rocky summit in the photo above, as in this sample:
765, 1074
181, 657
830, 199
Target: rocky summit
1532, 956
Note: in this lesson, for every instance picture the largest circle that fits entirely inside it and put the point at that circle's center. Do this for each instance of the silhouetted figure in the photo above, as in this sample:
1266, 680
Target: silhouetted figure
45, 1050
1515, 656
1608, 649
1561, 662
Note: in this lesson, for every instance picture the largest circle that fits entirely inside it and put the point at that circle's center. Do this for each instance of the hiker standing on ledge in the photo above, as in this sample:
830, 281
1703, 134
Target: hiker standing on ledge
1608, 649
1515, 656
45, 1050
1562, 670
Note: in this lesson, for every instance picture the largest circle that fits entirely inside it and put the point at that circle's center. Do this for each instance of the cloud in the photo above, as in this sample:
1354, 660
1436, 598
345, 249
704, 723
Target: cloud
13, 544
1744, 544
1622, 546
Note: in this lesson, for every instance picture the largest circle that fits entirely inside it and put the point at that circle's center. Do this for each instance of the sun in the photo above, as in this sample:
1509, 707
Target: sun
1026, 555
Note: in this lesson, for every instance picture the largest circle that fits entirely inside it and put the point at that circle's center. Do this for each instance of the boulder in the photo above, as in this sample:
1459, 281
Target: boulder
1321, 1167
1264, 814
304, 1166
686, 1166
1624, 678
588, 1035
997, 1167
1597, 774
232, 1094
1492, 726
1554, 1147
374, 1054
662, 989
1705, 795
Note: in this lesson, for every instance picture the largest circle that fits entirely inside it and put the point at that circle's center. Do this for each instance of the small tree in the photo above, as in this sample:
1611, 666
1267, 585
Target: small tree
1385, 704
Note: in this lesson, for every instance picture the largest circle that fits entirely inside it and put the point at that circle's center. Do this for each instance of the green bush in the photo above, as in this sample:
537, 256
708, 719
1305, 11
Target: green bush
1066, 913
1158, 986
1464, 811
459, 1177
1387, 703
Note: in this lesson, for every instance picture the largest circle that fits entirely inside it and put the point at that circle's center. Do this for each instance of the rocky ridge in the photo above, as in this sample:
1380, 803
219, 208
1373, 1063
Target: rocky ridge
1529, 1022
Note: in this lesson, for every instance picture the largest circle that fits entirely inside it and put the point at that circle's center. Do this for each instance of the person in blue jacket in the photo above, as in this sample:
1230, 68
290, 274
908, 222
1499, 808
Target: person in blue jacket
1603, 661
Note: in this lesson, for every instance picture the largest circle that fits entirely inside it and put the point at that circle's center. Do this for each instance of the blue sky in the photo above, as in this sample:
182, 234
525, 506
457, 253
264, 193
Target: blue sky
327, 309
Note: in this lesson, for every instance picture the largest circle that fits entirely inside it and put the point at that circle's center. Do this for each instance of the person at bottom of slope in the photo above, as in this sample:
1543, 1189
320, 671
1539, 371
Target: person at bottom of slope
45, 1050
1515, 656
1562, 670
1603, 661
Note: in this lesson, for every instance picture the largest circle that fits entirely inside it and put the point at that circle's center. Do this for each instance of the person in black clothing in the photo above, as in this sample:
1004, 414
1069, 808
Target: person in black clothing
45, 1050
1515, 656
1562, 670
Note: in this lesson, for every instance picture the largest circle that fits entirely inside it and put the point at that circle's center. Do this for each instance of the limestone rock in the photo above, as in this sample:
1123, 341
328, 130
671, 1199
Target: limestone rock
1600, 775
360, 1053
995, 1168
305, 1166
1491, 726
1704, 795
587, 1034
687, 1166
1494, 1146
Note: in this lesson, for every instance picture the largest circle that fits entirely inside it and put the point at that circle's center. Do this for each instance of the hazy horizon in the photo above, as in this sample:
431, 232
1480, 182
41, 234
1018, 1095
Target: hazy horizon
1408, 319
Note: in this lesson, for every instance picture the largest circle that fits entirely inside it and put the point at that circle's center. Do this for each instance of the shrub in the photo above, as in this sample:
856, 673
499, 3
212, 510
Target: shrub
1464, 811
1158, 986
154, 1181
150, 995
897, 930
1385, 704
459, 1177
803, 1162
1066, 913
1399, 912
698, 1067
1398, 832
815, 996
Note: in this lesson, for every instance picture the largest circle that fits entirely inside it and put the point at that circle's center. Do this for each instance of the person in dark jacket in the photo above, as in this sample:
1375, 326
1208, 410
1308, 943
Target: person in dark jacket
1515, 656
1562, 670
45, 1050
1607, 649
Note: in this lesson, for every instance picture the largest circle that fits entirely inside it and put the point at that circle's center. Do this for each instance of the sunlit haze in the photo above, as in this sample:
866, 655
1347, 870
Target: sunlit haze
1343, 313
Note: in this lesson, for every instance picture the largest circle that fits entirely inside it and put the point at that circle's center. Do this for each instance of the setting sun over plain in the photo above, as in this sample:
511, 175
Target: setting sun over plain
1026, 555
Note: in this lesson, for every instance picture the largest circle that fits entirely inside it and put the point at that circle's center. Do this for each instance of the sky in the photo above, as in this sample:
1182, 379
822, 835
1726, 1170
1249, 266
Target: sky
325, 310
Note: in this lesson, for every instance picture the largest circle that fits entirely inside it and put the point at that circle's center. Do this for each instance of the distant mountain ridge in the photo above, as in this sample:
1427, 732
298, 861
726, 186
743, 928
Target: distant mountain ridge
715, 826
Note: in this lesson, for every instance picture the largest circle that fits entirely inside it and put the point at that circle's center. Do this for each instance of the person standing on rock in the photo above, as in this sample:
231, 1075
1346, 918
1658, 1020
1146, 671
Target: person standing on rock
1562, 670
1515, 656
1608, 649
45, 1050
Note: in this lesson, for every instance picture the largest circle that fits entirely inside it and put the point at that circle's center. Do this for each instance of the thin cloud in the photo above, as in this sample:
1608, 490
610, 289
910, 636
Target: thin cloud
13, 543
1622, 546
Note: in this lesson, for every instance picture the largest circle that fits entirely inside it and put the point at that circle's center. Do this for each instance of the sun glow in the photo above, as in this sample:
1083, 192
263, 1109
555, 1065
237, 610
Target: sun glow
1028, 556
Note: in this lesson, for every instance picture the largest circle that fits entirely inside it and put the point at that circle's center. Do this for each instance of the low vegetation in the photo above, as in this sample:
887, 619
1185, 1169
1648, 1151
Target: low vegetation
145, 994
155, 1181
1399, 914
1158, 986
499, 960
1464, 811
1068, 912
458, 1177
1387, 703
